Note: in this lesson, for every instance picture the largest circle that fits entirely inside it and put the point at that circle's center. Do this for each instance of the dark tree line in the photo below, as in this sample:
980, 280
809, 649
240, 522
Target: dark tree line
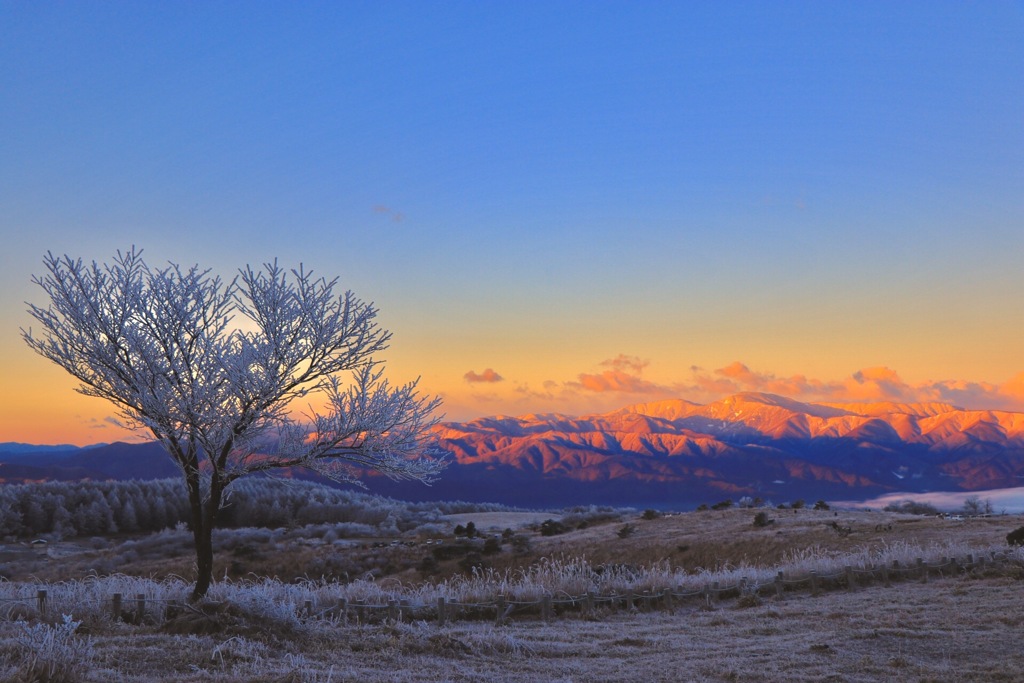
69, 509
91, 508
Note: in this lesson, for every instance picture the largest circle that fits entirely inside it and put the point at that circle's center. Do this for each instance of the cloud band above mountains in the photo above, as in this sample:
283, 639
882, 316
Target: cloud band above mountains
624, 379
880, 383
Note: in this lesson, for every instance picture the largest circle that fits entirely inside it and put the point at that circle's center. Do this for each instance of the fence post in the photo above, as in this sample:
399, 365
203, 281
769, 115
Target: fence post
970, 562
41, 601
307, 608
714, 590
669, 599
499, 617
885, 575
341, 611
545, 607
814, 582
590, 602
630, 596
778, 584
393, 613
116, 609
441, 609
140, 607
403, 609
922, 569
848, 570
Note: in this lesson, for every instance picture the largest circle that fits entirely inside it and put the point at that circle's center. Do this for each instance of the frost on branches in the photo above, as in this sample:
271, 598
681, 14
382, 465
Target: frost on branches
213, 369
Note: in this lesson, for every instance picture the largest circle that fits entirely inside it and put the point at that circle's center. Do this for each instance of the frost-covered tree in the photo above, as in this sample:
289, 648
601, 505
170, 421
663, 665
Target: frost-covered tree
213, 370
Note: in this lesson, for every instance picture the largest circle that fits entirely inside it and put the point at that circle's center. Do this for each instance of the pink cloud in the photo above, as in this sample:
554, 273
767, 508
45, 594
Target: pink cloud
738, 377
1014, 387
615, 380
488, 375
628, 364
623, 377
395, 216
878, 383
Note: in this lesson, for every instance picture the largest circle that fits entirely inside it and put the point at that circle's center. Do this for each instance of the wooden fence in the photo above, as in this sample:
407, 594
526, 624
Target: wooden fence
139, 609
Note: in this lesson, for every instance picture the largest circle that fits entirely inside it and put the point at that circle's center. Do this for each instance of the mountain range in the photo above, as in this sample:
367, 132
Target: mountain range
670, 453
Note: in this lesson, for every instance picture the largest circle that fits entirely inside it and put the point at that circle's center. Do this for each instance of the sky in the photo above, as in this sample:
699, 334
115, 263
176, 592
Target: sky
556, 206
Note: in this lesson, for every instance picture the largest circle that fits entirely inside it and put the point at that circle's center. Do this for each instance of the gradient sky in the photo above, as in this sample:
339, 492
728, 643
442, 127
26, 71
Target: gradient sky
557, 206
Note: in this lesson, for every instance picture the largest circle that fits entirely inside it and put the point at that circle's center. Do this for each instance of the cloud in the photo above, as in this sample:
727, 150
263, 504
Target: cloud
1014, 387
624, 363
614, 380
1004, 500
738, 377
623, 377
617, 381
395, 216
488, 375
872, 384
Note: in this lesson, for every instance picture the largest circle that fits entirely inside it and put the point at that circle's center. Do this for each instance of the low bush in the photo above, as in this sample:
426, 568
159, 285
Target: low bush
53, 653
912, 507
551, 527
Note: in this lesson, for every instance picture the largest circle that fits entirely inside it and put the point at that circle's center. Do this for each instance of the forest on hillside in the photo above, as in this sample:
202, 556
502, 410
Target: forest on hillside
62, 510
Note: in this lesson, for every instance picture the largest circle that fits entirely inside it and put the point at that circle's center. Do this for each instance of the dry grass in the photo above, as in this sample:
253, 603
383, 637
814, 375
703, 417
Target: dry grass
713, 540
964, 627
953, 630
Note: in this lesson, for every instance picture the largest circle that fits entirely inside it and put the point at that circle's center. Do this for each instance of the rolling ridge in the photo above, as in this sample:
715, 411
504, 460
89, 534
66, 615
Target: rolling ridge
671, 452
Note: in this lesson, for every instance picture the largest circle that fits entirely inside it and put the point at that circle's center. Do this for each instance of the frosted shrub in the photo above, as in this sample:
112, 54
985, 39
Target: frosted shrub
430, 529
268, 601
354, 530
581, 517
53, 653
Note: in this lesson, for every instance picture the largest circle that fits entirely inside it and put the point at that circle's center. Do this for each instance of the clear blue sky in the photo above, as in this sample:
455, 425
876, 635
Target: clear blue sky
639, 193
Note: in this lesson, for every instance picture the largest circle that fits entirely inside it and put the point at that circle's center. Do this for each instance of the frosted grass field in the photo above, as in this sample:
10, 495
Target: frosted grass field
949, 628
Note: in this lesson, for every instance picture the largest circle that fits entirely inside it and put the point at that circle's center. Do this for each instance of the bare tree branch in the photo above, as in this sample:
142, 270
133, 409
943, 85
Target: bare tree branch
212, 368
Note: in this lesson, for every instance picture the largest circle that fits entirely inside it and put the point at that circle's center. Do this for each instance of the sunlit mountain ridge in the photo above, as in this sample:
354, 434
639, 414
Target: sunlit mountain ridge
752, 444
673, 453
751, 415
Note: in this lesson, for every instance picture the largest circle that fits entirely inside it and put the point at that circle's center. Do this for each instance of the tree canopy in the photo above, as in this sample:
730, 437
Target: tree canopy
213, 368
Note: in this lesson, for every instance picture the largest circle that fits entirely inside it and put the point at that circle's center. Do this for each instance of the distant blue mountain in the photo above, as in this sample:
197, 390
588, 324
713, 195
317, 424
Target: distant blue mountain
14, 448
100, 462
666, 453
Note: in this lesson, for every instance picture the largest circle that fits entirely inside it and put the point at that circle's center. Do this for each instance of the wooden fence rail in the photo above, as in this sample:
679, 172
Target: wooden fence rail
548, 606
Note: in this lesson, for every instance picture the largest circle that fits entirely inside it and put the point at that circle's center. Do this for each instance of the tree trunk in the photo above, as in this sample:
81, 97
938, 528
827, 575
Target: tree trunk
204, 519
202, 534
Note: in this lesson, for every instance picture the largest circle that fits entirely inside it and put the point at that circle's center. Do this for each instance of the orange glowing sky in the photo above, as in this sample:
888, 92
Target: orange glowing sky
820, 200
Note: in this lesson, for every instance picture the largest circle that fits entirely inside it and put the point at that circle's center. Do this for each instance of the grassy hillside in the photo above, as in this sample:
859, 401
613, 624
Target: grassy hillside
959, 625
